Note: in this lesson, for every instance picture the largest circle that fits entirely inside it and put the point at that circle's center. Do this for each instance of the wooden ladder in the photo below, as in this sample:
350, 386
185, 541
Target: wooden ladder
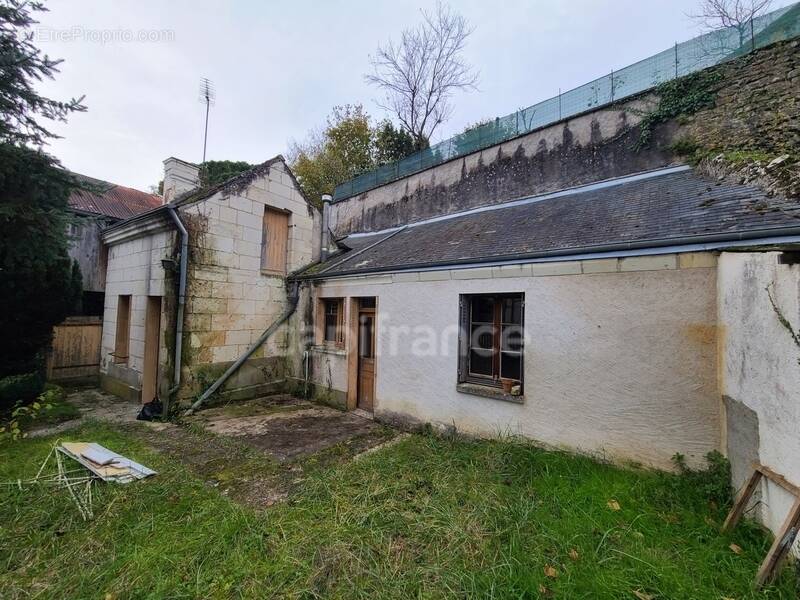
786, 534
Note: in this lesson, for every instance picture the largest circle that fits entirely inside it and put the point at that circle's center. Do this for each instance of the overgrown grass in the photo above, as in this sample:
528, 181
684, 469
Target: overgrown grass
427, 517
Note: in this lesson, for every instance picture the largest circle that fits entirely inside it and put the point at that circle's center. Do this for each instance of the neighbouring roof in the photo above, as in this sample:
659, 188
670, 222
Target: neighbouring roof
109, 199
655, 209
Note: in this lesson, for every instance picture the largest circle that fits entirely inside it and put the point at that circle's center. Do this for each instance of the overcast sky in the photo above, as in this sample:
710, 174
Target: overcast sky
279, 67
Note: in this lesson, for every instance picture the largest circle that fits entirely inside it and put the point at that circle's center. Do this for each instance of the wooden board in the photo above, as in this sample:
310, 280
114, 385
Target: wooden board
75, 350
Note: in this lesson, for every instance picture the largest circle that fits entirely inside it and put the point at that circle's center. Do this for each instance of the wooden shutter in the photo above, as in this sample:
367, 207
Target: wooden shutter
463, 336
123, 329
274, 241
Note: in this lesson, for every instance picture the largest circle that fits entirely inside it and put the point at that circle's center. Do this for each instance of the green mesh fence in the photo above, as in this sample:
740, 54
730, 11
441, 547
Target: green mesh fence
696, 54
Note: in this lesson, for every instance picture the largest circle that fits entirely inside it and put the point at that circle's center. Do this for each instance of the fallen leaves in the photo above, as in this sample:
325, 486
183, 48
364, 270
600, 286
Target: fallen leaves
550, 571
641, 595
613, 504
736, 549
573, 554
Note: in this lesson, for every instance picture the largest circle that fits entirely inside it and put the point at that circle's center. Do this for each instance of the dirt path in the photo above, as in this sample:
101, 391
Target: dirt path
256, 451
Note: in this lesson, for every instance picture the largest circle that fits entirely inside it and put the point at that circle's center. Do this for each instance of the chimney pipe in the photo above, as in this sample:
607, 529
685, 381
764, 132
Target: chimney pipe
326, 235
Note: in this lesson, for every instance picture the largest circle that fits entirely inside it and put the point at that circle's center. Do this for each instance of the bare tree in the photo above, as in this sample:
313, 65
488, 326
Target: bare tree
715, 14
420, 73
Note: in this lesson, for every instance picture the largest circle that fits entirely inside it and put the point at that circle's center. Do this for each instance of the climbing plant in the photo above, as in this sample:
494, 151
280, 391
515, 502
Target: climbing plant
679, 97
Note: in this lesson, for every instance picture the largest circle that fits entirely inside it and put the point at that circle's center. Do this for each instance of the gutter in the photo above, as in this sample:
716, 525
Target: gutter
181, 302
293, 298
695, 243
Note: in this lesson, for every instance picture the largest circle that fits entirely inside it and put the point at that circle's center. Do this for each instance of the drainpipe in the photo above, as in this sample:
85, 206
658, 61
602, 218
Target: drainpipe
293, 297
326, 234
181, 302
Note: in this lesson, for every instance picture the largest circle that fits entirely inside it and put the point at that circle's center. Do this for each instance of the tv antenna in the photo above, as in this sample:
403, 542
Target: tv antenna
207, 95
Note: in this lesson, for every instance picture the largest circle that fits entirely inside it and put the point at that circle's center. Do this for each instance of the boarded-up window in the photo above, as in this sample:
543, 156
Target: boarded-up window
274, 241
123, 329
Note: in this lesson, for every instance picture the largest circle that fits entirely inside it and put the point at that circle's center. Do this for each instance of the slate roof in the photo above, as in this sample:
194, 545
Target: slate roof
652, 209
110, 200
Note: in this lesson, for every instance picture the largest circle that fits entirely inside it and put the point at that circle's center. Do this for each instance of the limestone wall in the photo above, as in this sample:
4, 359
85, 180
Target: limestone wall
230, 301
135, 269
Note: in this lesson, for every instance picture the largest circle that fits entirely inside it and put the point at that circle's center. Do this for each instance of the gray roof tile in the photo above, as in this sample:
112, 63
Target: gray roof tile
651, 211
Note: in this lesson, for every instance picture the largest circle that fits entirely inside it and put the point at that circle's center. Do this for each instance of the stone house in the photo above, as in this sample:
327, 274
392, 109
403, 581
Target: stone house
562, 285
566, 287
192, 284
95, 205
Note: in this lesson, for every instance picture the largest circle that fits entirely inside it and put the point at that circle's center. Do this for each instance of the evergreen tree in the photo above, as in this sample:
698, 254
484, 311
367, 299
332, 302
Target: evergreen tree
36, 275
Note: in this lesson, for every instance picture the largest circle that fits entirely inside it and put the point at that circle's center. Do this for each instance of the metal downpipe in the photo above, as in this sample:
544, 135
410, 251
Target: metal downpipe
181, 302
293, 298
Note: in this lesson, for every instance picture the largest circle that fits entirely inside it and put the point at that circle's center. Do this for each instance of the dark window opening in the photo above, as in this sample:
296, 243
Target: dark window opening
92, 304
333, 325
491, 338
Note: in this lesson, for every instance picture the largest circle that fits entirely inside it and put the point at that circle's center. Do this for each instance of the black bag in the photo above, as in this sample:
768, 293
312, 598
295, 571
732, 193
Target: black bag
151, 410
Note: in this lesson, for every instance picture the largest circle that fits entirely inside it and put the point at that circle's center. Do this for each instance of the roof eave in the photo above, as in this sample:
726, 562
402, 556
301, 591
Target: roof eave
772, 238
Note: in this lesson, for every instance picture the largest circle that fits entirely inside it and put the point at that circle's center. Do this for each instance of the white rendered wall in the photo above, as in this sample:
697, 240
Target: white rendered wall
760, 362
620, 357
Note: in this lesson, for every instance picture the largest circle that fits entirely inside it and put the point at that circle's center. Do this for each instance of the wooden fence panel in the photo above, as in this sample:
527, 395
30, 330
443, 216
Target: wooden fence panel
75, 352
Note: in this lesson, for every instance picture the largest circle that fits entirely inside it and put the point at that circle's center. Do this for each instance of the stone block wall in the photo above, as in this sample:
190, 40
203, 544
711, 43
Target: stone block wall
230, 300
135, 269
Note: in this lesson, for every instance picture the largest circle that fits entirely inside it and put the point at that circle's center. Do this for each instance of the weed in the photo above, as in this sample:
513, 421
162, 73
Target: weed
430, 516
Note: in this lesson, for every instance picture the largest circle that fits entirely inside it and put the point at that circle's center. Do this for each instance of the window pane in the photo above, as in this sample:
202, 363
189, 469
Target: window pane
482, 309
367, 323
510, 366
480, 362
482, 337
331, 320
512, 310
511, 338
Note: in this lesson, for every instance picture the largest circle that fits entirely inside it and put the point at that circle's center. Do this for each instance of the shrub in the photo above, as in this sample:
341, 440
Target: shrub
19, 389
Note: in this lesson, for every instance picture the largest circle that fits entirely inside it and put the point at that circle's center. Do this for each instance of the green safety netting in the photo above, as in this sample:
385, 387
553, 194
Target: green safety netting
698, 53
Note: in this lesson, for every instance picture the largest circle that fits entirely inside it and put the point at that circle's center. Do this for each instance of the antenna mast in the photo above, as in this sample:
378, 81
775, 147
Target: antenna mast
207, 95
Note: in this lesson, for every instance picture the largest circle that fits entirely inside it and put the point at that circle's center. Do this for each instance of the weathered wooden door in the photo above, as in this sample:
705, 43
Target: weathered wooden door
366, 358
152, 336
75, 352
274, 241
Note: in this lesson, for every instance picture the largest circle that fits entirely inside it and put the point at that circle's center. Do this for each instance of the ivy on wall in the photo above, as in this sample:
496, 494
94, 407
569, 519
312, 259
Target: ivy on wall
679, 97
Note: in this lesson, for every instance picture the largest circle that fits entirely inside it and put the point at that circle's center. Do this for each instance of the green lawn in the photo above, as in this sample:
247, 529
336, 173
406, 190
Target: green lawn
427, 517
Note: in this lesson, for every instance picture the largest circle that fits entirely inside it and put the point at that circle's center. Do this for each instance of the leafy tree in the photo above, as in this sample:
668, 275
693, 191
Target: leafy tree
213, 172
37, 278
342, 150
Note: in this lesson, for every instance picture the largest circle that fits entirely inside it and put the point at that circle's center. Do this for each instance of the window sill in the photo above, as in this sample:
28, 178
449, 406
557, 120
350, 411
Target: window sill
325, 349
270, 273
486, 391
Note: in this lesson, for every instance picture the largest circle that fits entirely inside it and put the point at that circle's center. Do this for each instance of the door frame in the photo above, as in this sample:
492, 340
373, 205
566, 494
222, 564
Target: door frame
353, 310
152, 348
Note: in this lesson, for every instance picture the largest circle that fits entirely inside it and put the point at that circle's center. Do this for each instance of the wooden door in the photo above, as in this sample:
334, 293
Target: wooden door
152, 335
366, 359
274, 241
75, 352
